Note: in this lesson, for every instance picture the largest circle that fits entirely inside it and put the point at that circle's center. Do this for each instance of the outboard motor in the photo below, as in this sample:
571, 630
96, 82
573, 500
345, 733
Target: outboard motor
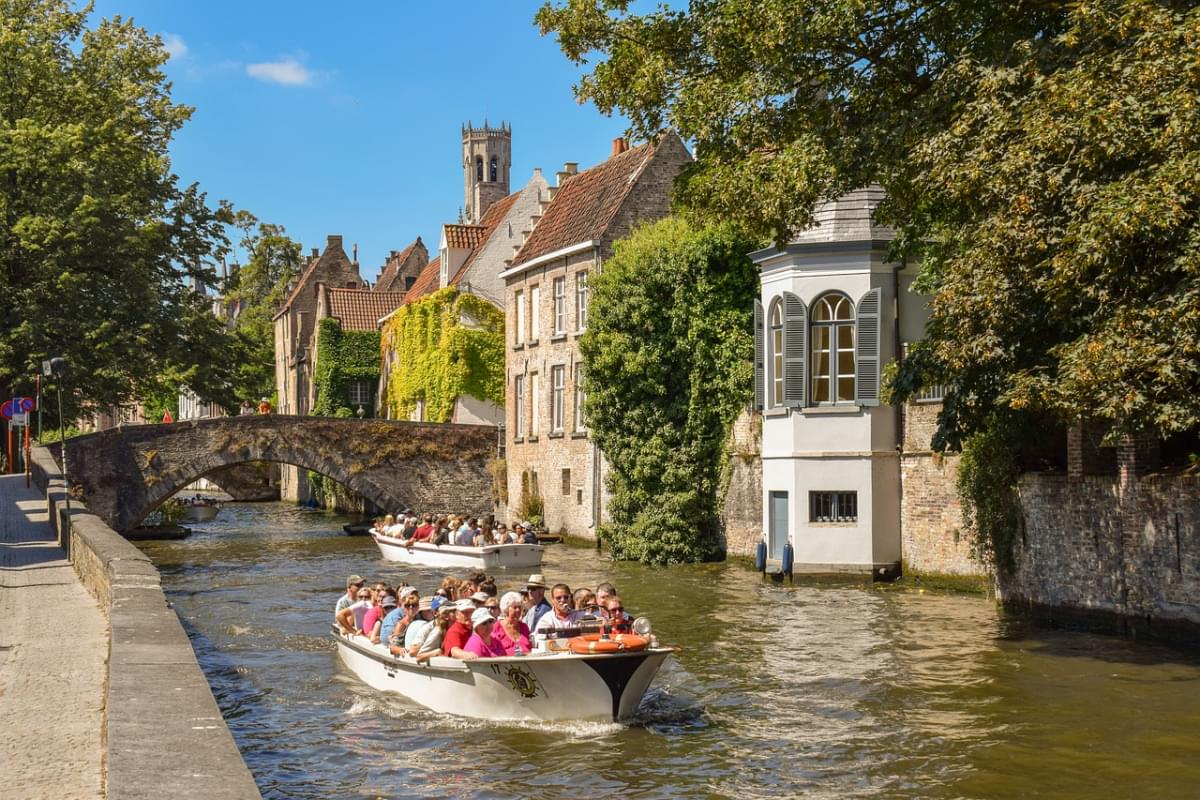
760, 557
789, 556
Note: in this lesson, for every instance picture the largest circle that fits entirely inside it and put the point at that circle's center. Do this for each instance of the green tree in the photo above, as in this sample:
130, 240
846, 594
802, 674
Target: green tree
667, 357
98, 239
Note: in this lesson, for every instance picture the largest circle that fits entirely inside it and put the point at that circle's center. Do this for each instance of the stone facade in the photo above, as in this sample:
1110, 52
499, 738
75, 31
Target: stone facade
487, 160
1126, 550
125, 473
741, 510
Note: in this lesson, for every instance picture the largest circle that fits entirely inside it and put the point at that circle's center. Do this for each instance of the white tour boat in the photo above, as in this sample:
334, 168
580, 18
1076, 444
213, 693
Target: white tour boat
538, 686
495, 556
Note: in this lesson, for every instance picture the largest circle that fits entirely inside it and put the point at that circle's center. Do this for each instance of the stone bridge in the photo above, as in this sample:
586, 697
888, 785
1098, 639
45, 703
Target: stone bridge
125, 473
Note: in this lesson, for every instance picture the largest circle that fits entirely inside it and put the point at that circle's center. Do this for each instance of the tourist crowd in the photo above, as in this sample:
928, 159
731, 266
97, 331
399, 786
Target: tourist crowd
469, 618
462, 530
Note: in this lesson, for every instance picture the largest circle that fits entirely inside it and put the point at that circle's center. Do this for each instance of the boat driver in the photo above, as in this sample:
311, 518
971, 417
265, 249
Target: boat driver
563, 615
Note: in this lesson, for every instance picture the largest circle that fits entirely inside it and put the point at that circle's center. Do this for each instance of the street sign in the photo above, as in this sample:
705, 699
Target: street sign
20, 420
17, 405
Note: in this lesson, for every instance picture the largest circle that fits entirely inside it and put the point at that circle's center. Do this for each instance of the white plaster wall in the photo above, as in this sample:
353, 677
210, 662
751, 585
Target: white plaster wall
473, 411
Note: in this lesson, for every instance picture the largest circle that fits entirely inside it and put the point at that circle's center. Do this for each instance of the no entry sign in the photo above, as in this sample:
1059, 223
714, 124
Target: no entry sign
17, 405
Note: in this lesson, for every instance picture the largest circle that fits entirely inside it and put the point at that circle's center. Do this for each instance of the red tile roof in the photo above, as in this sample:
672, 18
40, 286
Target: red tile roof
361, 309
393, 264
585, 204
463, 237
492, 218
426, 282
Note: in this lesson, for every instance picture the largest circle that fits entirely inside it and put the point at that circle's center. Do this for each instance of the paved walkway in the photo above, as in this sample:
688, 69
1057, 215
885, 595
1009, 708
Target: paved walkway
53, 645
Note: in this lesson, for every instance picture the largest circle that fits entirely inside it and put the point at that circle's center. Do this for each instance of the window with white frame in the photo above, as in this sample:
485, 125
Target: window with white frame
535, 402
776, 362
833, 350
560, 306
580, 423
581, 300
520, 317
558, 388
360, 393
535, 313
833, 506
519, 407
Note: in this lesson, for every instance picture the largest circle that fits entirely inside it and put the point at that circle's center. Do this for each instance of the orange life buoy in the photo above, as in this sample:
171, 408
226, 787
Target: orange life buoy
621, 642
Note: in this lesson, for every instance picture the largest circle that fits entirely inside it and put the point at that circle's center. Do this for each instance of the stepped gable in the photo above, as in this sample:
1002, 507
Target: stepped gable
331, 265
390, 279
586, 203
426, 283
361, 309
490, 222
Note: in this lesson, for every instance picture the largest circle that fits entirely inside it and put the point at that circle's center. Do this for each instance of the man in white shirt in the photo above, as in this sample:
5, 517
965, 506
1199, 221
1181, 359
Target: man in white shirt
560, 617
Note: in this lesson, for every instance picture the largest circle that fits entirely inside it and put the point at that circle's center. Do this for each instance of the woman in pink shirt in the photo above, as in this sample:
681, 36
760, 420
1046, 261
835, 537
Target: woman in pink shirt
481, 643
510, 631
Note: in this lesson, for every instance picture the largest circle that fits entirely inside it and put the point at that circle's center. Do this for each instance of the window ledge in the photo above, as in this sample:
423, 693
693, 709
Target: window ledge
846, 410
776, 412
580, 332
519, 346
531, 439
579, 435
518, 440
554, 435
928, 401
558, 337
833, 524
532, 343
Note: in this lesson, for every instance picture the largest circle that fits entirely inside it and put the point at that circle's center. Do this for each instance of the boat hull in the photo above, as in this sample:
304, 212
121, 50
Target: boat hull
201, 513
534, 687
499, 556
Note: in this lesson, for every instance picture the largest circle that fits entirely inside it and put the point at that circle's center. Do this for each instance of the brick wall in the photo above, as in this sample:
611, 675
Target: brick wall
741, 511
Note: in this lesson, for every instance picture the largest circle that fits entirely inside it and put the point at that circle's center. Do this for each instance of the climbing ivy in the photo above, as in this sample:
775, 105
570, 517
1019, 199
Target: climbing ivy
342, 358
446, 345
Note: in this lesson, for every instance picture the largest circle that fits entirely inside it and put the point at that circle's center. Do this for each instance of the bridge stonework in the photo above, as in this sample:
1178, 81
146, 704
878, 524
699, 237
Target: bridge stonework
125, 473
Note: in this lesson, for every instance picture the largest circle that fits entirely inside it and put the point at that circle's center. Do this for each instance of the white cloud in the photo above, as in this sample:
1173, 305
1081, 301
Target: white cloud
175, 45
288, 72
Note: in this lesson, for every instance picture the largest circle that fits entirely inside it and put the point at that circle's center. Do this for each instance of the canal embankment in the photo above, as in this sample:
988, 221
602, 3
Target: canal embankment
162, 731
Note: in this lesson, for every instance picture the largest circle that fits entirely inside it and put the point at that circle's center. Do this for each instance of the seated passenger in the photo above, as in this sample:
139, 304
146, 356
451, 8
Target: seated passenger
352, 616
388, 522
457, 634
529, 536
353, 584
585, 606
424, 531
561, 618
538, 605
442, 534
465, 537
615, 618
385, 601
409, 528
397, 621
603, 592
433, 634
482, 644
417, 627
510, 631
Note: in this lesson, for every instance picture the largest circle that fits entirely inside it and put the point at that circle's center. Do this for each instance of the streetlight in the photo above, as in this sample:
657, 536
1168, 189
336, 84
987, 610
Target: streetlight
57, 368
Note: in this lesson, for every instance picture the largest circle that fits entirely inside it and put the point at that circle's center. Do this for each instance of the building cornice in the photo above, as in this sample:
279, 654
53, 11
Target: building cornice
542, 259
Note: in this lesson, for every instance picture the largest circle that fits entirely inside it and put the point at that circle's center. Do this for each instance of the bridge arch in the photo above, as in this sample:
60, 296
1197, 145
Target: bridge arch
125, 473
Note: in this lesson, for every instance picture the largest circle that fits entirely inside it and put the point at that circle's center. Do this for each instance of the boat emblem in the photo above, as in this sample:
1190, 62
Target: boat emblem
523, 682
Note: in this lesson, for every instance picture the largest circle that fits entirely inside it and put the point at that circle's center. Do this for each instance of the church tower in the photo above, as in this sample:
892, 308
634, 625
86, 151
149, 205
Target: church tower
487, 157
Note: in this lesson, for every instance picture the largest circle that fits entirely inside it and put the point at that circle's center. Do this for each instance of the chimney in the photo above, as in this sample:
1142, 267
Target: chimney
316, 253
333, 240
619, 146
560, 178
537, 172
354, 258
571, 167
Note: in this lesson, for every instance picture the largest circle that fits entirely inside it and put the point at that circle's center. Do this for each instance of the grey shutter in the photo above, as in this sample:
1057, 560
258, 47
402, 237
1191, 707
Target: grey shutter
866, 350
759, 363
795, 351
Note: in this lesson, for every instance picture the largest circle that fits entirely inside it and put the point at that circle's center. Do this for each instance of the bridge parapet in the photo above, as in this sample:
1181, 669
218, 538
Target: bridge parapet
125, 473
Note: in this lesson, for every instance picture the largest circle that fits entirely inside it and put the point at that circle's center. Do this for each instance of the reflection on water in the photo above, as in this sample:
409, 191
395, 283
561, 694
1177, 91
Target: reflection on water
816, 691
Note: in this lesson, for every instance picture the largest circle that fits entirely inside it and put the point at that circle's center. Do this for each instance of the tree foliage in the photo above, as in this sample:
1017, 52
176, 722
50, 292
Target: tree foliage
98, 239
667, 354
1040, 159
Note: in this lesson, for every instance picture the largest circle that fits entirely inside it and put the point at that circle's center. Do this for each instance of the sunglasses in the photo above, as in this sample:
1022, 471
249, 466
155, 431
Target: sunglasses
562, 598
364, 596
617, 610
411, 605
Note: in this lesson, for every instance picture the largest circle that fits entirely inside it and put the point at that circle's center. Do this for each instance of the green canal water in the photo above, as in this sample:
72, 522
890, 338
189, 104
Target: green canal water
814, 691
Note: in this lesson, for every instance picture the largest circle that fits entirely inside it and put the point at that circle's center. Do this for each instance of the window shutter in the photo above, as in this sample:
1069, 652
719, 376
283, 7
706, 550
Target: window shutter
760, 376
866, 350
795, 350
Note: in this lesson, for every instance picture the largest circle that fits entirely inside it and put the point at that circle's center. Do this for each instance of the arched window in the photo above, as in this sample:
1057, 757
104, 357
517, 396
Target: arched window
833, 349
479, 168
775, 340
492, 170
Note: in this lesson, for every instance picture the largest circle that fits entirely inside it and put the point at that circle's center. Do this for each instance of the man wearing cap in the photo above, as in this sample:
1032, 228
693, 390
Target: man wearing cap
396, 623
387, 603
416, 628
528, 536
536, 586
457, 635
353, 584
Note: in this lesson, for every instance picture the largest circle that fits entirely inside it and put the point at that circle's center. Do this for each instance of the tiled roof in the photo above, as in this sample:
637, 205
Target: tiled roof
492, 218
463, 237
393, 264
585, 204
361, 309
426, 282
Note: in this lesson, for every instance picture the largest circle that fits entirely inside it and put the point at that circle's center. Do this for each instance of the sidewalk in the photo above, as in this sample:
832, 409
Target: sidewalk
53, 647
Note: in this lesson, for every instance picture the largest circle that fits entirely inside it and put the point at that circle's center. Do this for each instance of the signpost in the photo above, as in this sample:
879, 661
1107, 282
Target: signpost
16, 411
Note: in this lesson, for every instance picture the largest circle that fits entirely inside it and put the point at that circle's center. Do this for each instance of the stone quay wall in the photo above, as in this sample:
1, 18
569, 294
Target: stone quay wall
1124, 549
742, 511
163, 732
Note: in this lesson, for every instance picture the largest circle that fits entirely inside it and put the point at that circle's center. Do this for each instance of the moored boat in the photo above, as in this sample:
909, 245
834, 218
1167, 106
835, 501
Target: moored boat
495, 556
538, 686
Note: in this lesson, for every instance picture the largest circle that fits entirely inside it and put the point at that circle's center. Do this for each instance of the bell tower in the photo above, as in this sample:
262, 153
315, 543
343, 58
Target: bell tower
487, 158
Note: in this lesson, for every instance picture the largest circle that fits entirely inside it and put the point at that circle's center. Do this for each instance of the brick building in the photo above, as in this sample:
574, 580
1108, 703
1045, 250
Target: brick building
400, 270
546, 299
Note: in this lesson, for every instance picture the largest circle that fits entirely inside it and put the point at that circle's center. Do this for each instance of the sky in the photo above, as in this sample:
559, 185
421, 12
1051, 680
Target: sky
346, 118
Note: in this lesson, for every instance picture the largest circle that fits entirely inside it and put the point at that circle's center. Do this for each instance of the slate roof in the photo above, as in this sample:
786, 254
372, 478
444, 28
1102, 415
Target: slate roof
848, 219
492, 218
393, 264
361, 309
426, 282
463, 237
585, 204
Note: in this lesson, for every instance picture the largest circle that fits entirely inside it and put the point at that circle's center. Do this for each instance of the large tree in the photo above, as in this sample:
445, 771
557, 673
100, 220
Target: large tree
1040, 158
99, 241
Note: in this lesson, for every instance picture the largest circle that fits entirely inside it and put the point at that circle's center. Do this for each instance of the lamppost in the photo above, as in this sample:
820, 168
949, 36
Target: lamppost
57, 369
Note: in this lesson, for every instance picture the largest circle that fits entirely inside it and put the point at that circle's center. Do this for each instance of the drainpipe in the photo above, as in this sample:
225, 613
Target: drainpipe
596, 484
897, 410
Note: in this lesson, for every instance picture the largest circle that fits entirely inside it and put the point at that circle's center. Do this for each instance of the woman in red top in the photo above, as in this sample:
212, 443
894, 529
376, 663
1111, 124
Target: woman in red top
457, 635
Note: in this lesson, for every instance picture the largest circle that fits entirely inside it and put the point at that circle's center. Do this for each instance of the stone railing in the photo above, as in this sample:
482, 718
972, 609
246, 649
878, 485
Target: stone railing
164, 734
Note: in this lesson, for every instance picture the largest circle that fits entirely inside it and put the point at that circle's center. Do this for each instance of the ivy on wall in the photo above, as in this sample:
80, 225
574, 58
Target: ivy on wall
446, 345
343, 357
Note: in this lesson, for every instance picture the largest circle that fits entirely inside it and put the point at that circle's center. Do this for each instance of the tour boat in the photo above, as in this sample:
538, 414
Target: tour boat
201, 512
538, 686
494, 556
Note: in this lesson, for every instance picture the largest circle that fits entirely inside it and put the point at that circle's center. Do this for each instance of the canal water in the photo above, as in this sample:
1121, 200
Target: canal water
816, 691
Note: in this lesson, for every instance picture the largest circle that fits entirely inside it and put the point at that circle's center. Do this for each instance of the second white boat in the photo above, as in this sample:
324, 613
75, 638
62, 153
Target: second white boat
449, 556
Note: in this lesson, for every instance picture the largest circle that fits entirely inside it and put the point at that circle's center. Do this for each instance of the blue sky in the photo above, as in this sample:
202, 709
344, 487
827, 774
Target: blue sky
345, 118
